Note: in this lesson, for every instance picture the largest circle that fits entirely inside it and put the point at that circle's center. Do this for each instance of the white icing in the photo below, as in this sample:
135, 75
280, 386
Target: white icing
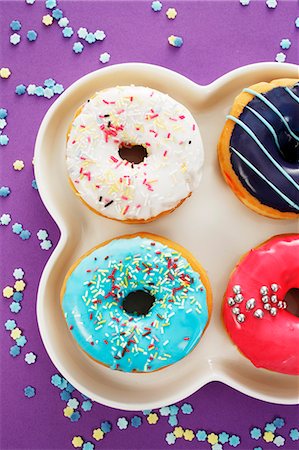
170, 172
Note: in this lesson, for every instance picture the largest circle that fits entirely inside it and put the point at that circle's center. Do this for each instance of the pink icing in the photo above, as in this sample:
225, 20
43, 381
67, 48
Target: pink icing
270, 342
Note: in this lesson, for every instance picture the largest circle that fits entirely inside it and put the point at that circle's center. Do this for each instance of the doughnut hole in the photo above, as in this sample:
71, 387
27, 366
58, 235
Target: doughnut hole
292, 300
138, 303
135, 154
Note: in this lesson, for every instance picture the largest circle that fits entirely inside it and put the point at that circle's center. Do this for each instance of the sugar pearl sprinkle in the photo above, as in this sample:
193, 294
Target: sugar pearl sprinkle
268, 300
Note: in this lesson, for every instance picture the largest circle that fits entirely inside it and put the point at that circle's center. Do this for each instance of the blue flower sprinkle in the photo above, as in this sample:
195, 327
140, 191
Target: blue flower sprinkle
4, 139
20, 89
86, 405
29, 391
146, 412
63, 22
285, 44
82, 33
31, 89
90, 38
78, 47
63, 384
186, 408
278, 422
99, 35
17, 228
65, 395
88, 446
46, 244
14, 351
73, 403
25, 234
165, 411
297, 22
10, 325
106, 426
234, 440
57, 14
223, 437
255, 433
270, 427
294, 434
18, 273
3, 124
156, 6
34, 185
58, 89
136, 421
15, 307
48, 93
67, 32
21, 341
69, 388
257, 448
279, 441
17, 296
173, 420
75, 416
5, 219
173, 410
49, 82
50, 4
39, 91
56, 380
201, 435
217, 447
15, 25
3, 113
31, 35
15, 39
4, 190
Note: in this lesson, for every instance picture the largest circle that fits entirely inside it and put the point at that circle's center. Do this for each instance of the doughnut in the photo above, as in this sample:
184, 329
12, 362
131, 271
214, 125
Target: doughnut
133, 153
137, 303
258, 149
254, 307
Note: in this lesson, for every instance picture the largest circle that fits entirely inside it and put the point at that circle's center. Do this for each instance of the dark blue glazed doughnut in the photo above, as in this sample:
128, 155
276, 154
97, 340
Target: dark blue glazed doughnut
264, 148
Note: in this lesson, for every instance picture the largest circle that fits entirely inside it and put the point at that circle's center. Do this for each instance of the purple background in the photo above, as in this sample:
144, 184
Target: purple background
218, 36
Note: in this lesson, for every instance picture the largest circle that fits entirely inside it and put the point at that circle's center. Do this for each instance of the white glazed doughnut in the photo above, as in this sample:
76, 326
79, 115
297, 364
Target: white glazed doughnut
130, 116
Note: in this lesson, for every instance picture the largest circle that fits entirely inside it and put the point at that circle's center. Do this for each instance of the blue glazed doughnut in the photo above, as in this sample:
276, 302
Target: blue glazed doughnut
137, 303
259, 148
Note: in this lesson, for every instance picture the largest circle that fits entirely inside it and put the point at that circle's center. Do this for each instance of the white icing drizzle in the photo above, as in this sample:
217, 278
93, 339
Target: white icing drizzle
134, 115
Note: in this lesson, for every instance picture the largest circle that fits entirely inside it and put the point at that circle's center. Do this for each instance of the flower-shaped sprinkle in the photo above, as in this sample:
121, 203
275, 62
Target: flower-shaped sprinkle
65, 395
201, 435
189, 435
78, 47
67, 32
173, 420
268, 436
297, 22
75, 416
30, 358
90, 38
18, 164
10, 325
7, 292
42, 235
212, 438
4, 139
294, 434
73, 403
67, 412
278, 422
99, 35
18, 274
47, 20
136, 421
31, 89
104, 57
15, 25
3, 124
173, 410
15, 333
77, 441
63, 22
106, 426
280, 57
165, 411
152, 418
271, 3
156, 6
223, 437
20, 285
30, 2
170, 438
15, 307
88, 446
17, 228
86, 405
29, 391
56, 380
25, 234
122, 423
285, 44
255, 433
50, 4
15, 39
270, 427
82, 33
98, 434
186, 408
171, 13
57, 14
279, 441
3, 113
31, 35
14, 351
178, 432
46, 244
244, 2
234, 440
48, 93
21, 341
5, 72
58, 88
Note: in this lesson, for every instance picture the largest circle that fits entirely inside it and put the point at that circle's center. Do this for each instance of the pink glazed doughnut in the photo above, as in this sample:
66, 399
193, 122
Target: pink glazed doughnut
254, 309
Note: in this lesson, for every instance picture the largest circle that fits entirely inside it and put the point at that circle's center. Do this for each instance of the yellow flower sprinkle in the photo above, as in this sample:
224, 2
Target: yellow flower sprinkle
16, 333
20, 285
68, 411
77, 441
7, 292
5, 72
171, 13
189, 435
18, 164
212, 438
152, 418
268, 436
47, 20
178, 432
98, 434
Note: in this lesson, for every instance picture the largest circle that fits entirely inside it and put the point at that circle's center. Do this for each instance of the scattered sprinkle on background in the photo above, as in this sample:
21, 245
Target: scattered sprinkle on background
41, 412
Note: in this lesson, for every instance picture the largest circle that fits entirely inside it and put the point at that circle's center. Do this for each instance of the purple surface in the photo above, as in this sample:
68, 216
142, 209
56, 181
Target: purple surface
218, 36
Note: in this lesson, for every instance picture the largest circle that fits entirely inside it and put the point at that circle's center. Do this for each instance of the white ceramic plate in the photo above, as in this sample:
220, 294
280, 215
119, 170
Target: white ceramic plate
213, 224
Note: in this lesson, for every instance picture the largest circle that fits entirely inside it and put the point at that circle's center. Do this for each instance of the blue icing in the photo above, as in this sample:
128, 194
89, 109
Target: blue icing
95, 290
264, 148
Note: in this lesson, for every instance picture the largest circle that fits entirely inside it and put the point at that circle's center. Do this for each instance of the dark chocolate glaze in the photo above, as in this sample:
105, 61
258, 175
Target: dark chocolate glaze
287, 156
